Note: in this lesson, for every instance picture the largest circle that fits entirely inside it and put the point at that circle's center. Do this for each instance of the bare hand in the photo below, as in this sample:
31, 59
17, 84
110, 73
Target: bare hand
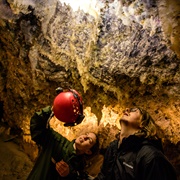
62, 168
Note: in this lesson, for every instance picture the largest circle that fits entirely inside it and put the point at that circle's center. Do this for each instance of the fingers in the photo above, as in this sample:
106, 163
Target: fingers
62, 168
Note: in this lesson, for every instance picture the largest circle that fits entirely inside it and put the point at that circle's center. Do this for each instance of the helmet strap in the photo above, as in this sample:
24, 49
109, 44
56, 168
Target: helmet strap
47, 124
78, 121
77, 97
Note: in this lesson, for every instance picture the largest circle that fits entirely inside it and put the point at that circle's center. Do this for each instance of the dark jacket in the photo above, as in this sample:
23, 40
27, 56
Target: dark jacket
136, 159
55, 146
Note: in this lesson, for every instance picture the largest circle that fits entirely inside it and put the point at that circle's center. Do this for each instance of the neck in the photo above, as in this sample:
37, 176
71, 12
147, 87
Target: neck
78, 152
126, 131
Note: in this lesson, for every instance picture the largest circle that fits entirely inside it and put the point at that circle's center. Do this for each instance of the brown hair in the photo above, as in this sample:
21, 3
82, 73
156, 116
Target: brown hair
148, 127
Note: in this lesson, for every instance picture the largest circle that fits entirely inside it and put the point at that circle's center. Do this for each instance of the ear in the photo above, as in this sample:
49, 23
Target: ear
89, 152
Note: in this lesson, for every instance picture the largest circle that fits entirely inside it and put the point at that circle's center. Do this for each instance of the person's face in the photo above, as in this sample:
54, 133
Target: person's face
85, 142
131, 117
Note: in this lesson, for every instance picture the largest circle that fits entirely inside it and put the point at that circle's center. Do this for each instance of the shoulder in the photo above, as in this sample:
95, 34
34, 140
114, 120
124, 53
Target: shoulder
112, 148
113, 143
149, 152
151, 159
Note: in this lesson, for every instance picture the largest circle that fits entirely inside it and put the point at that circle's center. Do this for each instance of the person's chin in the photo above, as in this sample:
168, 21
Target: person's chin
78, 141
122, 119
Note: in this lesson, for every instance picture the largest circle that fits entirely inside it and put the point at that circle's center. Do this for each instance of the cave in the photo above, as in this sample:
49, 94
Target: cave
115, 53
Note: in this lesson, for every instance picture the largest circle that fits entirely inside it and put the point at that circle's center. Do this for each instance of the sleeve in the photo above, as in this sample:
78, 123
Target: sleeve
159, 168
39, 132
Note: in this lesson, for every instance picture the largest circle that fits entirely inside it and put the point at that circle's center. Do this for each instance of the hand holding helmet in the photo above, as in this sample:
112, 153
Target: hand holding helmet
68, 107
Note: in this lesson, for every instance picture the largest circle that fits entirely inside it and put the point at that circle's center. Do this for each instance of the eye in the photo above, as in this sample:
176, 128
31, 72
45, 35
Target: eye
90, 140
133, 109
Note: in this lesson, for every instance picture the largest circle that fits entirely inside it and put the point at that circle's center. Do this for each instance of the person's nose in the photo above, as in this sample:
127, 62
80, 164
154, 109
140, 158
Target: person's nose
85, 138
126, 110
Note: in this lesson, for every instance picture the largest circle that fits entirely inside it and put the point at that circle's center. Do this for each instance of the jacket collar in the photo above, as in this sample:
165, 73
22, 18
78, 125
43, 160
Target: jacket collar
133, 143
130, 143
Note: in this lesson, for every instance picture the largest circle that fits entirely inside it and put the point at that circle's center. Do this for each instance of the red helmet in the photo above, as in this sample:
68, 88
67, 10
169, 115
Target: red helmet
67, 107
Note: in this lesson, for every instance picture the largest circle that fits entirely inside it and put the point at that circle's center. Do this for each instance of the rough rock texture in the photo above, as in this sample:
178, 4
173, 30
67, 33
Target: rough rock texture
14, 162
126, 53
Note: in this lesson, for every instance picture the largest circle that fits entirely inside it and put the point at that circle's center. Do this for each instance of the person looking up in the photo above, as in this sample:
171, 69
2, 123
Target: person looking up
137, 154
61, 159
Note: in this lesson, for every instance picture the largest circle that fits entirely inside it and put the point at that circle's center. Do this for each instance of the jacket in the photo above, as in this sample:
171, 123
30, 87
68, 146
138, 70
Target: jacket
136, 159
54, 147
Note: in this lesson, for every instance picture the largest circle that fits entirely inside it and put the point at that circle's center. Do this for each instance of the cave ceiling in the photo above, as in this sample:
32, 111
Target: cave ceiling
115, 53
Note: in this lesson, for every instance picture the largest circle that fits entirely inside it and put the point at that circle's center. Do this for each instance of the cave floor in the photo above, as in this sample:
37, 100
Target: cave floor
14, 163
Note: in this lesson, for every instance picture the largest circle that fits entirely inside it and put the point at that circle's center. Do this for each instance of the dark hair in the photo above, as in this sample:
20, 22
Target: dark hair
94, 149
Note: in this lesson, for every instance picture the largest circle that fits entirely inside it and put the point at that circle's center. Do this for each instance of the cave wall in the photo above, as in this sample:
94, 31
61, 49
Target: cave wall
119, 54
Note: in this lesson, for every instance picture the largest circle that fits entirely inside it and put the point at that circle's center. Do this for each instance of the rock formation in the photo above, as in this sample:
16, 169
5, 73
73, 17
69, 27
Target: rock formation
115, 53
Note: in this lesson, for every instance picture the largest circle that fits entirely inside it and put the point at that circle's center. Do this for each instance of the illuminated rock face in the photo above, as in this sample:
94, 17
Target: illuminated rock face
115, 54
